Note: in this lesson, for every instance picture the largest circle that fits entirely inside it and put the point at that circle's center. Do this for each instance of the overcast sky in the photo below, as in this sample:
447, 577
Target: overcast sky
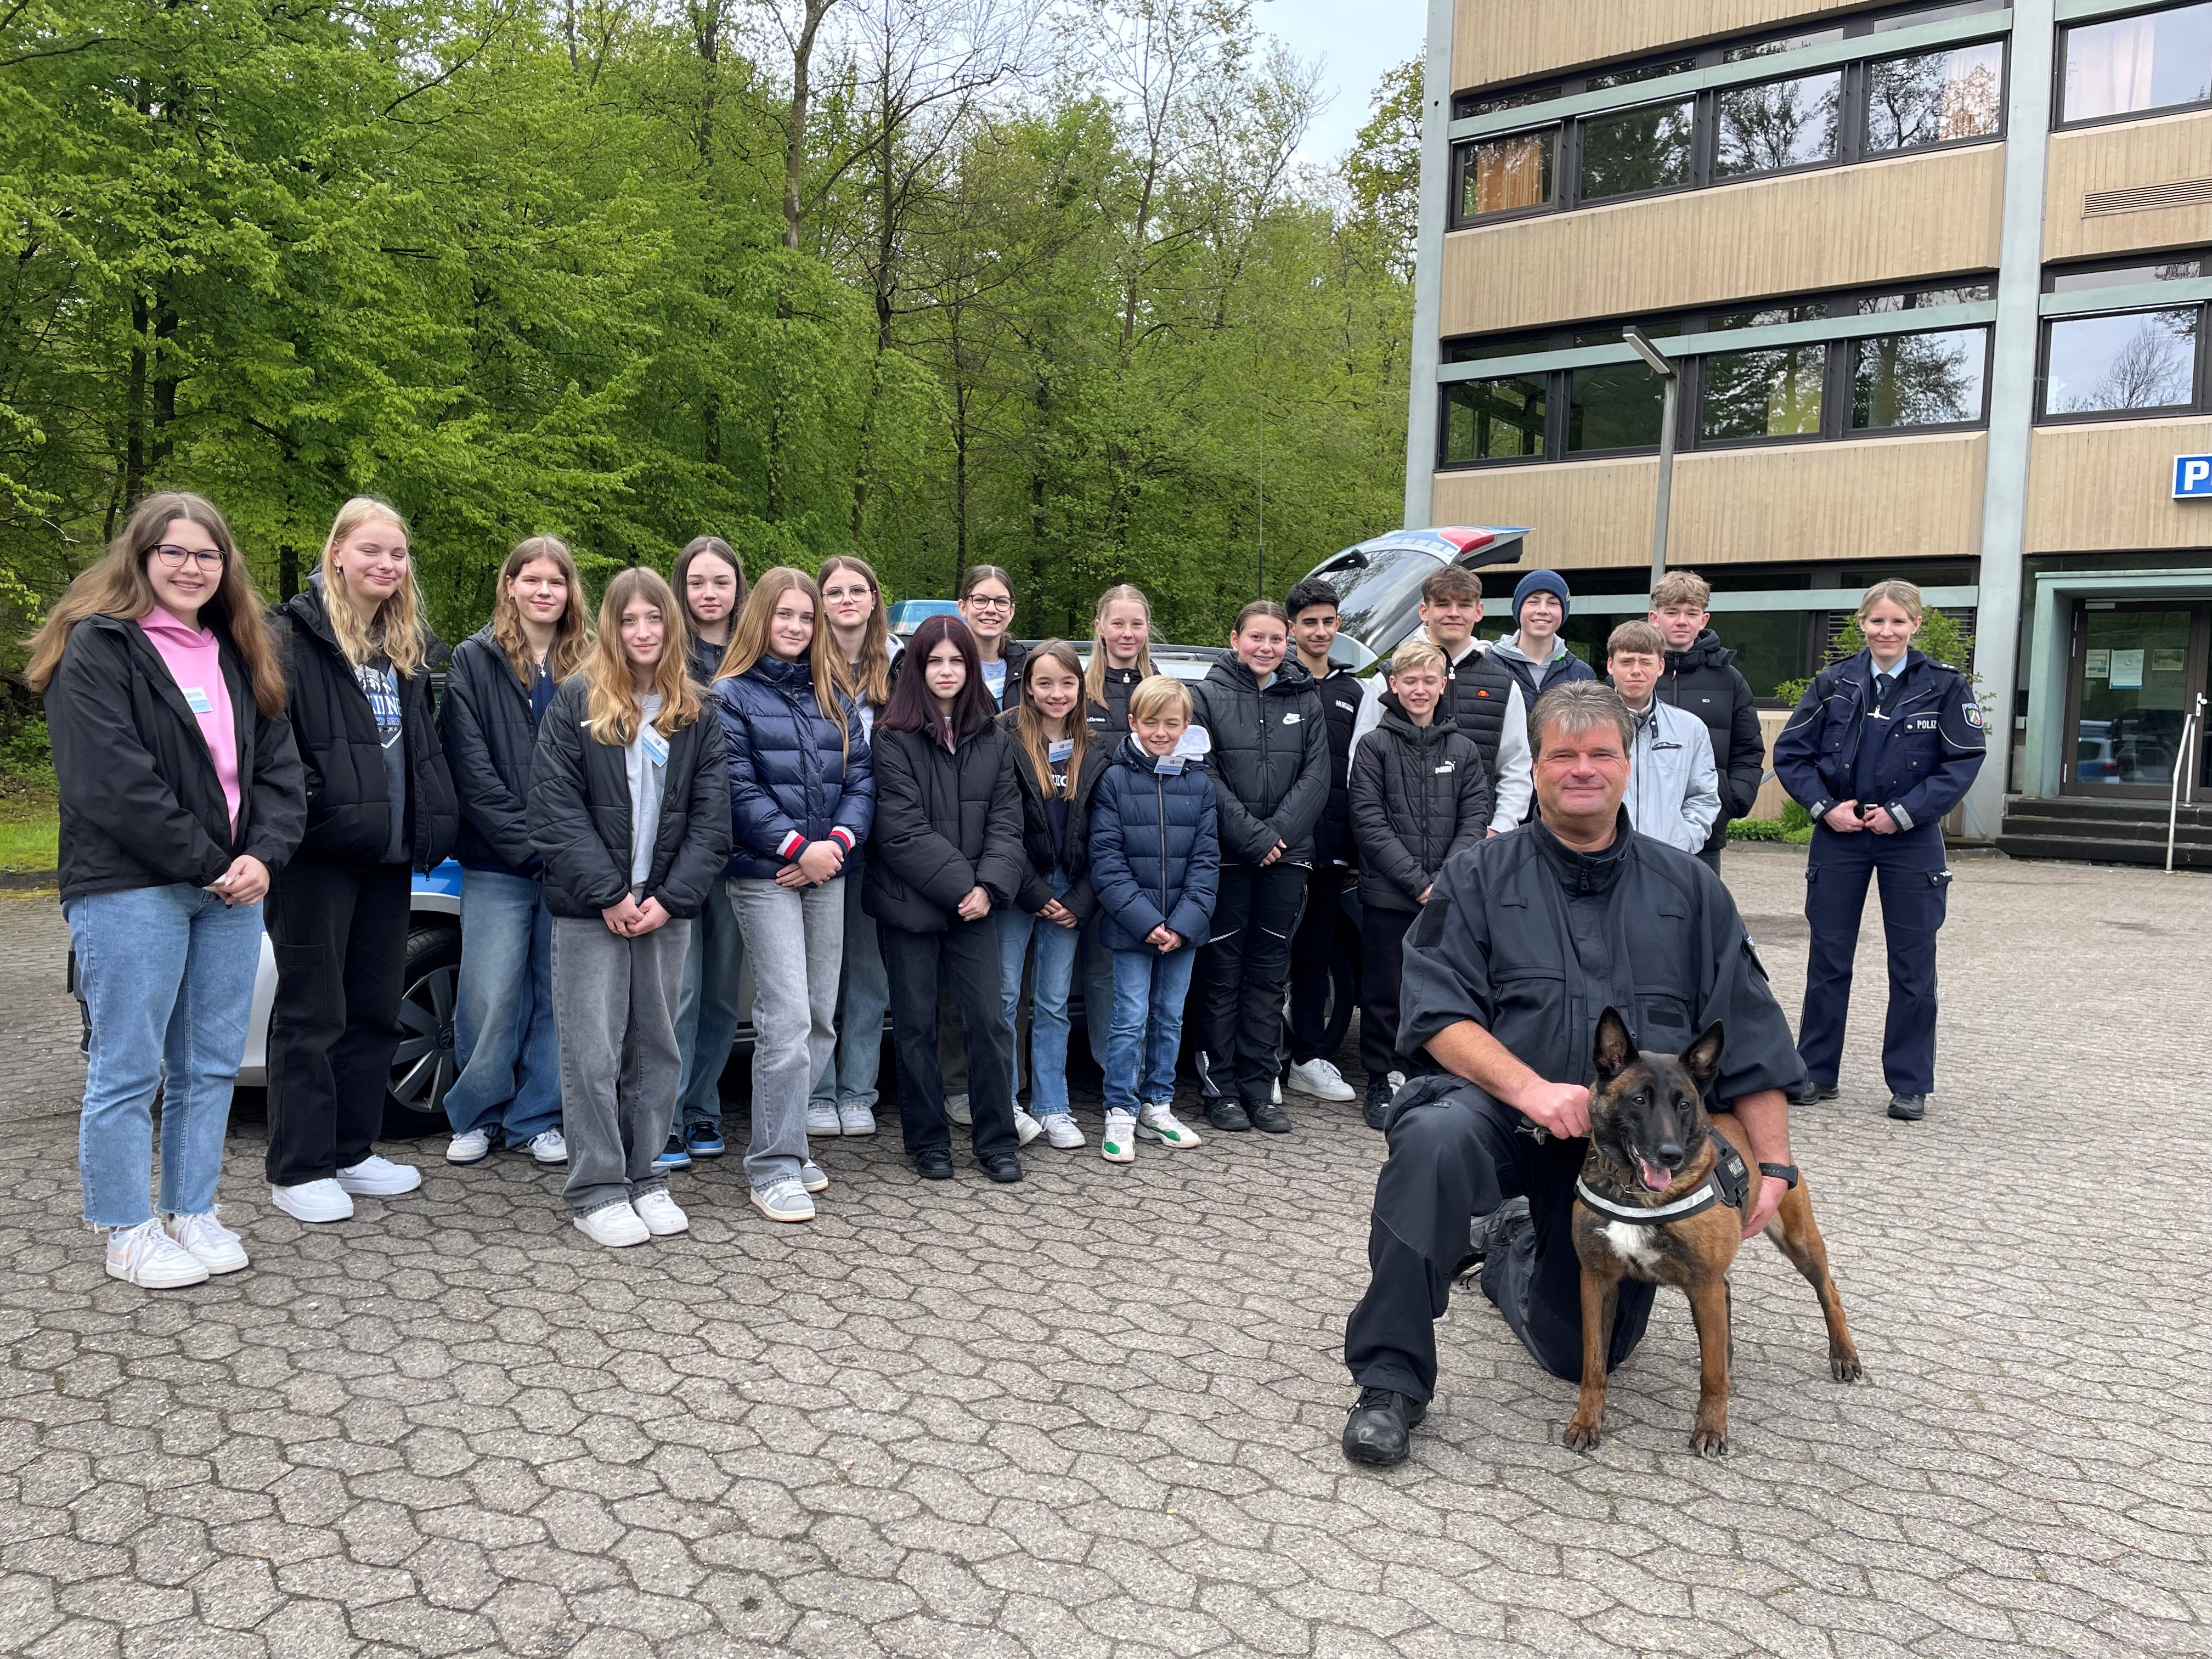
1356, 41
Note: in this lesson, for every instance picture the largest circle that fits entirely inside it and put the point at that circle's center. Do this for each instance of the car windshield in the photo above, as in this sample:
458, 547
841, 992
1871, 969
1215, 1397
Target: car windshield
1378, 595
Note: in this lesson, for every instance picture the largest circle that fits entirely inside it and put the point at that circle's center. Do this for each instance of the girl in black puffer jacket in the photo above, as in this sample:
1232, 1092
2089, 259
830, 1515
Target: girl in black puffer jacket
947, 852
1270, 762
379, 803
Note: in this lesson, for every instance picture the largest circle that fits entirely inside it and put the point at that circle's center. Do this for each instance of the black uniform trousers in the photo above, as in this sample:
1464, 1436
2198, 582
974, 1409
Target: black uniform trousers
1382, 976
1916, 884
339, 933
1238, 981
965, 956
1455, 1153
1313, 950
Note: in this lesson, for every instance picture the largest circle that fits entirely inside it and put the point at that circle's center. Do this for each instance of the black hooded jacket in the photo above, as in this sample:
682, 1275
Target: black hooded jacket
141, 805
947, 820
489, 739
1419, 795
1269, 759
1073, 858
348, 807
1111, 717
1340, 693
1705, 680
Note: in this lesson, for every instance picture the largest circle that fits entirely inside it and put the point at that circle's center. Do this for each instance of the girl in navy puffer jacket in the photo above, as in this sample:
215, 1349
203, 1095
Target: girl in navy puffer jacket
802, 796
1156, 867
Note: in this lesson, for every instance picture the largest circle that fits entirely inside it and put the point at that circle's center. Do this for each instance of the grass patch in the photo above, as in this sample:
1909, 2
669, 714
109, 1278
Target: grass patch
30, 830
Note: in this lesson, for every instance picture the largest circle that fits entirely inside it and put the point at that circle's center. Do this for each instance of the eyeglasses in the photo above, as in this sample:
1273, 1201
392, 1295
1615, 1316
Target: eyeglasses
980, 603
172, 557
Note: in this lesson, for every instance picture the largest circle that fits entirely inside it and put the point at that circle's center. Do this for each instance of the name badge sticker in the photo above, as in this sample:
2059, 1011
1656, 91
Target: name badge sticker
656, 747
1346, 706
196, 699
1060, 750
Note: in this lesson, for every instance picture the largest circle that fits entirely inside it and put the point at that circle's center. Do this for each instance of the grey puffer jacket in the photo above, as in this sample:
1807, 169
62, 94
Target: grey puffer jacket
1270, 759
1419, 795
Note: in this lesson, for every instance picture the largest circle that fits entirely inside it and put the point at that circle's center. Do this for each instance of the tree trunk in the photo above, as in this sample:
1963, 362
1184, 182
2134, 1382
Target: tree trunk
287, 571
134, 433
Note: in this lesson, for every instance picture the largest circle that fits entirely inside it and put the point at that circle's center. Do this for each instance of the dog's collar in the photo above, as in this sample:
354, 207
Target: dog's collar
1707, 1194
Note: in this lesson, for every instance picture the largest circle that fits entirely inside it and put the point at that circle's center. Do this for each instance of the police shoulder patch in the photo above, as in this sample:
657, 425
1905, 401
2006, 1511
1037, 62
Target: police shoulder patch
1973, 712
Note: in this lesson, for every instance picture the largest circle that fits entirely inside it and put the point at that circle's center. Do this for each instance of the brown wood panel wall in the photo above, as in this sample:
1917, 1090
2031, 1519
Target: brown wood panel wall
1495, 40
2126, 155
2109, 484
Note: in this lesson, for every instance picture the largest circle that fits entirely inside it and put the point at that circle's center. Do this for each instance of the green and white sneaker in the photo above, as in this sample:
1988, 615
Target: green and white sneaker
1119, 1143
1155, 1121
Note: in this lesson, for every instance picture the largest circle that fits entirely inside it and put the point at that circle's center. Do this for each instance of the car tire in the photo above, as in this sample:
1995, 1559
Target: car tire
423, 1066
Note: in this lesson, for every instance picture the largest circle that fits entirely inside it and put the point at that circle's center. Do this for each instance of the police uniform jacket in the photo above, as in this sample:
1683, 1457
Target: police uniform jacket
1532, 940
1919, 753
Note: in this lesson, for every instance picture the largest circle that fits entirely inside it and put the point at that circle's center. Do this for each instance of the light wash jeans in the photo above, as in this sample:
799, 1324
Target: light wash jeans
707, 1015
616, 1000
1056, 949
865, 991
167, 973
796, 938
503, 1035
1149, 989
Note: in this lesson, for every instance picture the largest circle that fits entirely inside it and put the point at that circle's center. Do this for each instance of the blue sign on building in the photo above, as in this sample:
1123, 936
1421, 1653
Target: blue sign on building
2192, 476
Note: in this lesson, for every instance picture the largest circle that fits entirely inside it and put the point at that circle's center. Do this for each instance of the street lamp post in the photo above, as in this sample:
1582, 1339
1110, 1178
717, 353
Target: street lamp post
1670, 381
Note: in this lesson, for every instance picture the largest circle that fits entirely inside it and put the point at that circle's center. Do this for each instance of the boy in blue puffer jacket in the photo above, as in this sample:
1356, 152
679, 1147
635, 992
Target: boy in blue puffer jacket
1156, 865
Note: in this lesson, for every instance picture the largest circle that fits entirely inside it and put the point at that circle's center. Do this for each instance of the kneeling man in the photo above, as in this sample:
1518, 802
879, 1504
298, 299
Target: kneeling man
1525, 941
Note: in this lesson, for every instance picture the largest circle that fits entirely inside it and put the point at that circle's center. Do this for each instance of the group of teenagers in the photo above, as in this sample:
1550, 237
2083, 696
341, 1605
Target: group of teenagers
709, 775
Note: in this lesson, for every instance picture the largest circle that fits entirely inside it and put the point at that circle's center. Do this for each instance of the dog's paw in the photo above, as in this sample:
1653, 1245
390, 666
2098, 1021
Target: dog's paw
1709, 1443
1580, 1436
1844, 1365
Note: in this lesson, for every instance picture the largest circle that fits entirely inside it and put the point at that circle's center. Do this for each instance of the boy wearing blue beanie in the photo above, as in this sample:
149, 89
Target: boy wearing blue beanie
1534, 654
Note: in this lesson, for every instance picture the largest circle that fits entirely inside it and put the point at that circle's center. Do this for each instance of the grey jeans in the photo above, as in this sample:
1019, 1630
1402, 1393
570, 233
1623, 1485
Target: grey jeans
614, 1003
795, 940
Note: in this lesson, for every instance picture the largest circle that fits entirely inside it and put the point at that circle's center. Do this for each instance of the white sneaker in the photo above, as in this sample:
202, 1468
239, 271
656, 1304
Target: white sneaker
1319, 1078
661, 1215
822, 1120
147, 1257
1155, 1121
813, 1176
548, 1148
1026, 1128
614, 1226
856, 1120
473, 1147
378, 1177
783, 1201
956, 1108
1119, 1143
314, 1200
210, 1243
1275, 1092
1059, 1129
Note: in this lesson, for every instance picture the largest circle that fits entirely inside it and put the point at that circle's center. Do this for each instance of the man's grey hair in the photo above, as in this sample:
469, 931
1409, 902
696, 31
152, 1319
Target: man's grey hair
1577, 706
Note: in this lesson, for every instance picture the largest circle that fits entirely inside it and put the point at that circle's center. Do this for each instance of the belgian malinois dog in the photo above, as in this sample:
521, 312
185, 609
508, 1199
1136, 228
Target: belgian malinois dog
1652, 1155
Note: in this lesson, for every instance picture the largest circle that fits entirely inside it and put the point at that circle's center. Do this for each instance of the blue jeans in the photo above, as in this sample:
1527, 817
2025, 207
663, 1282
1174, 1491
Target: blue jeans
708, 1011
1140, 1050
849, 1079
503, 1035
167, 974
1054, 977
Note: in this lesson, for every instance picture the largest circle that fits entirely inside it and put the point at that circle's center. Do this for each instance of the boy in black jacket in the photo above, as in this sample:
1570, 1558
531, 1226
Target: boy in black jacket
1419, 793
1313, 621
1701, 676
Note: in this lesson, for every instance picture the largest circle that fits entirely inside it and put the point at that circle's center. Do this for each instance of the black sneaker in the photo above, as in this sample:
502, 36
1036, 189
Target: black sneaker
1823, 1091
1376, 1109
1908, 1109
935, 1165
1004, 1168
1380, 1429
1225, 1115
1486, 1234
1269, 1118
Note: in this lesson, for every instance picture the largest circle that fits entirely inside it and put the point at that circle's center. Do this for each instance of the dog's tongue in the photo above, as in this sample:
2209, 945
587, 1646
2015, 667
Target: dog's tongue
1658, 1177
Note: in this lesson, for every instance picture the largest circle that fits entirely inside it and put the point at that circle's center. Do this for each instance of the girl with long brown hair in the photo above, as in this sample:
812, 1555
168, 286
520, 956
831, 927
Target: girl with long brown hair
844, 1102
802, 797
629, 809
500, 682
180, 792
379, 803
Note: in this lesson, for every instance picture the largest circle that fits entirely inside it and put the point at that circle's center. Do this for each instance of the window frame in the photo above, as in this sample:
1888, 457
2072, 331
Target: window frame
2198, 401
1850, 383
2063, 45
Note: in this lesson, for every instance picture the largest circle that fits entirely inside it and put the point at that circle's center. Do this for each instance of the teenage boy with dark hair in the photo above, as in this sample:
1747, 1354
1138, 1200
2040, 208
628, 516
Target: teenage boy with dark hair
1314, 619
1701, 676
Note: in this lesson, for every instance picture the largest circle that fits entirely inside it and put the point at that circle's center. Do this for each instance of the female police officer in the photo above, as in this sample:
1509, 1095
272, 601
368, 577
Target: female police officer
1878, 750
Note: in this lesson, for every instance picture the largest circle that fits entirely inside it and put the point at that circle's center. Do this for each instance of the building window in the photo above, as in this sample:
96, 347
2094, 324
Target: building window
2138, 361
1495, 420
1773, 392
1636, 150
1919, 380
1934, 98
1781, 124
1615, 407
1507, 176
2127, 66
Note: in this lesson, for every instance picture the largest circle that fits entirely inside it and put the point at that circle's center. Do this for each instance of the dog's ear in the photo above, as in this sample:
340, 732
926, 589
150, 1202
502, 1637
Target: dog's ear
1702, 1058
1614, 1049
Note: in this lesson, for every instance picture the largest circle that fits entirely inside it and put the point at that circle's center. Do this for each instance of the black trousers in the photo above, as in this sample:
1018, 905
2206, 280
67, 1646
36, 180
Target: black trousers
1710, 857
1382, 974
965, 956
1312, 947
1238, 982
1455, 1153
339, 935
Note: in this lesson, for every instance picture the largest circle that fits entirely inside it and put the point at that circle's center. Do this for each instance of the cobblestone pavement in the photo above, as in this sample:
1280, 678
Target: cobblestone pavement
1096, 1413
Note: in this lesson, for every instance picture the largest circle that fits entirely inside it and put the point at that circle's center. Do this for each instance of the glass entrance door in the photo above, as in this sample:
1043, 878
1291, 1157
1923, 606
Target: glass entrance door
2136, 670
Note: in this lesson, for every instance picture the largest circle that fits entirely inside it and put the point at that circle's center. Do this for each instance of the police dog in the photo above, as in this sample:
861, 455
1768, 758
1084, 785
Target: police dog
1649, 1148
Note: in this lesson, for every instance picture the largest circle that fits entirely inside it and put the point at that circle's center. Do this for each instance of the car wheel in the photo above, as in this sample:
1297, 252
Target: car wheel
423, 1065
